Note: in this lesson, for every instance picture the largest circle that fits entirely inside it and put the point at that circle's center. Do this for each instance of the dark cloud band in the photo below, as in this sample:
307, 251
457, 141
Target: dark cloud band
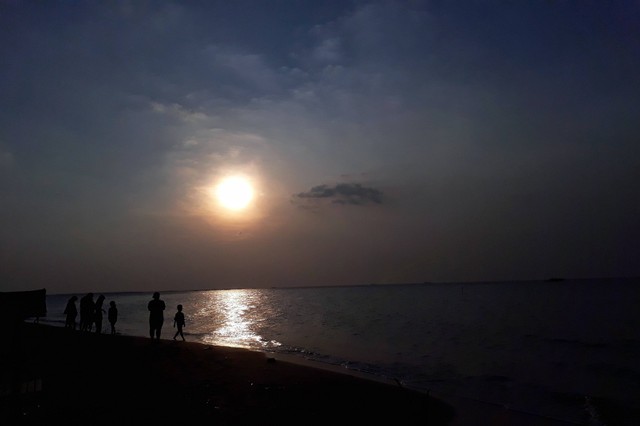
343, 193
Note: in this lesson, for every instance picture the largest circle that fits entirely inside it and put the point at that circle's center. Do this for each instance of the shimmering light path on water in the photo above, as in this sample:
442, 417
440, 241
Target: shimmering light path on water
236, 315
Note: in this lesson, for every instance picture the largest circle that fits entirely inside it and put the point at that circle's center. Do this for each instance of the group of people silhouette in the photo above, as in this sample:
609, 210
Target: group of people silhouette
91, 313
156, 309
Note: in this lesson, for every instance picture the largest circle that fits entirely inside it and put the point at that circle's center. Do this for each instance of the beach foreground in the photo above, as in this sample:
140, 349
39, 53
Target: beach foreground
73, 378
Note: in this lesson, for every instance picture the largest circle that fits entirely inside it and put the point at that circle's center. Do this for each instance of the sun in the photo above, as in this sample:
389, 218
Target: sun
234, 192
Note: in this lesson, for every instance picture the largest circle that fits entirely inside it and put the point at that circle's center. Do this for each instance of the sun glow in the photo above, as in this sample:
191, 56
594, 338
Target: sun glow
234, 192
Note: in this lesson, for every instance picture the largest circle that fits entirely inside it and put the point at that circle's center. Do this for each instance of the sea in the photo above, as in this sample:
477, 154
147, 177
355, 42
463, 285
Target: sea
562, 349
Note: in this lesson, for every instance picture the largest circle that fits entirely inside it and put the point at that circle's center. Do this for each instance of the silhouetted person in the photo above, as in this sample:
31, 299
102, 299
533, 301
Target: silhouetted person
71, 312
97, 313
86, 312
156, 316
113, 316
178, 321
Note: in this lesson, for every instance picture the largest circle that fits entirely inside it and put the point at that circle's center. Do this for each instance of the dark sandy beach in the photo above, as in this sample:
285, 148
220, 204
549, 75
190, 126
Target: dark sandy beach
76, 378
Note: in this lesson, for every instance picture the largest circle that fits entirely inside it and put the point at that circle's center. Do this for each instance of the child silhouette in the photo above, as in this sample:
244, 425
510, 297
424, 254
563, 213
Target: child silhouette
178, 321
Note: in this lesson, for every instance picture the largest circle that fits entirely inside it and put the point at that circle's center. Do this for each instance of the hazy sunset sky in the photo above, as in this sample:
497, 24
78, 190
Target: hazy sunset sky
386, 142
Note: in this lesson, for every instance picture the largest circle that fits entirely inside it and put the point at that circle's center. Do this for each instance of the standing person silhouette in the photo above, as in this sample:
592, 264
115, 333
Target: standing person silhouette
178, 321
156, 316
113, 316
97, 313
71, 312
86, 312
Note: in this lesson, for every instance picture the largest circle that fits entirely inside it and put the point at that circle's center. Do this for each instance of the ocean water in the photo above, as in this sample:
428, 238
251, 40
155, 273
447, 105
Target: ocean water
569, 349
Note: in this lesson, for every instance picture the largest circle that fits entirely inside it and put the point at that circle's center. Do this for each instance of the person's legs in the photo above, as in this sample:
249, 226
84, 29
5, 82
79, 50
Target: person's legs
178, 333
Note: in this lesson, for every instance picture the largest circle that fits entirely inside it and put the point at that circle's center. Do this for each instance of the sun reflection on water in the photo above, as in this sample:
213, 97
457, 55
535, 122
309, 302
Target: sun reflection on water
235, 316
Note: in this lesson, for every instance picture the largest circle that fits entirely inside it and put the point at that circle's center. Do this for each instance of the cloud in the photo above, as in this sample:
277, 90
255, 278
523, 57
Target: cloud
343, 193
328, 51
179, 112
244, 72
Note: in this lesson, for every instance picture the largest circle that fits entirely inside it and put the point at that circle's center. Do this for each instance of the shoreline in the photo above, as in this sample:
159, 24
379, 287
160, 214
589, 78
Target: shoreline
78, 378
70, 377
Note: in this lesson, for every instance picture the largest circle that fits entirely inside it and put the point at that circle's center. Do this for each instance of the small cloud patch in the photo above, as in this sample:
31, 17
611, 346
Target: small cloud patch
343, 193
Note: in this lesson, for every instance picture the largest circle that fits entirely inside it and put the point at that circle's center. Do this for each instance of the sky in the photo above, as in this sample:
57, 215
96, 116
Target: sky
385, 142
